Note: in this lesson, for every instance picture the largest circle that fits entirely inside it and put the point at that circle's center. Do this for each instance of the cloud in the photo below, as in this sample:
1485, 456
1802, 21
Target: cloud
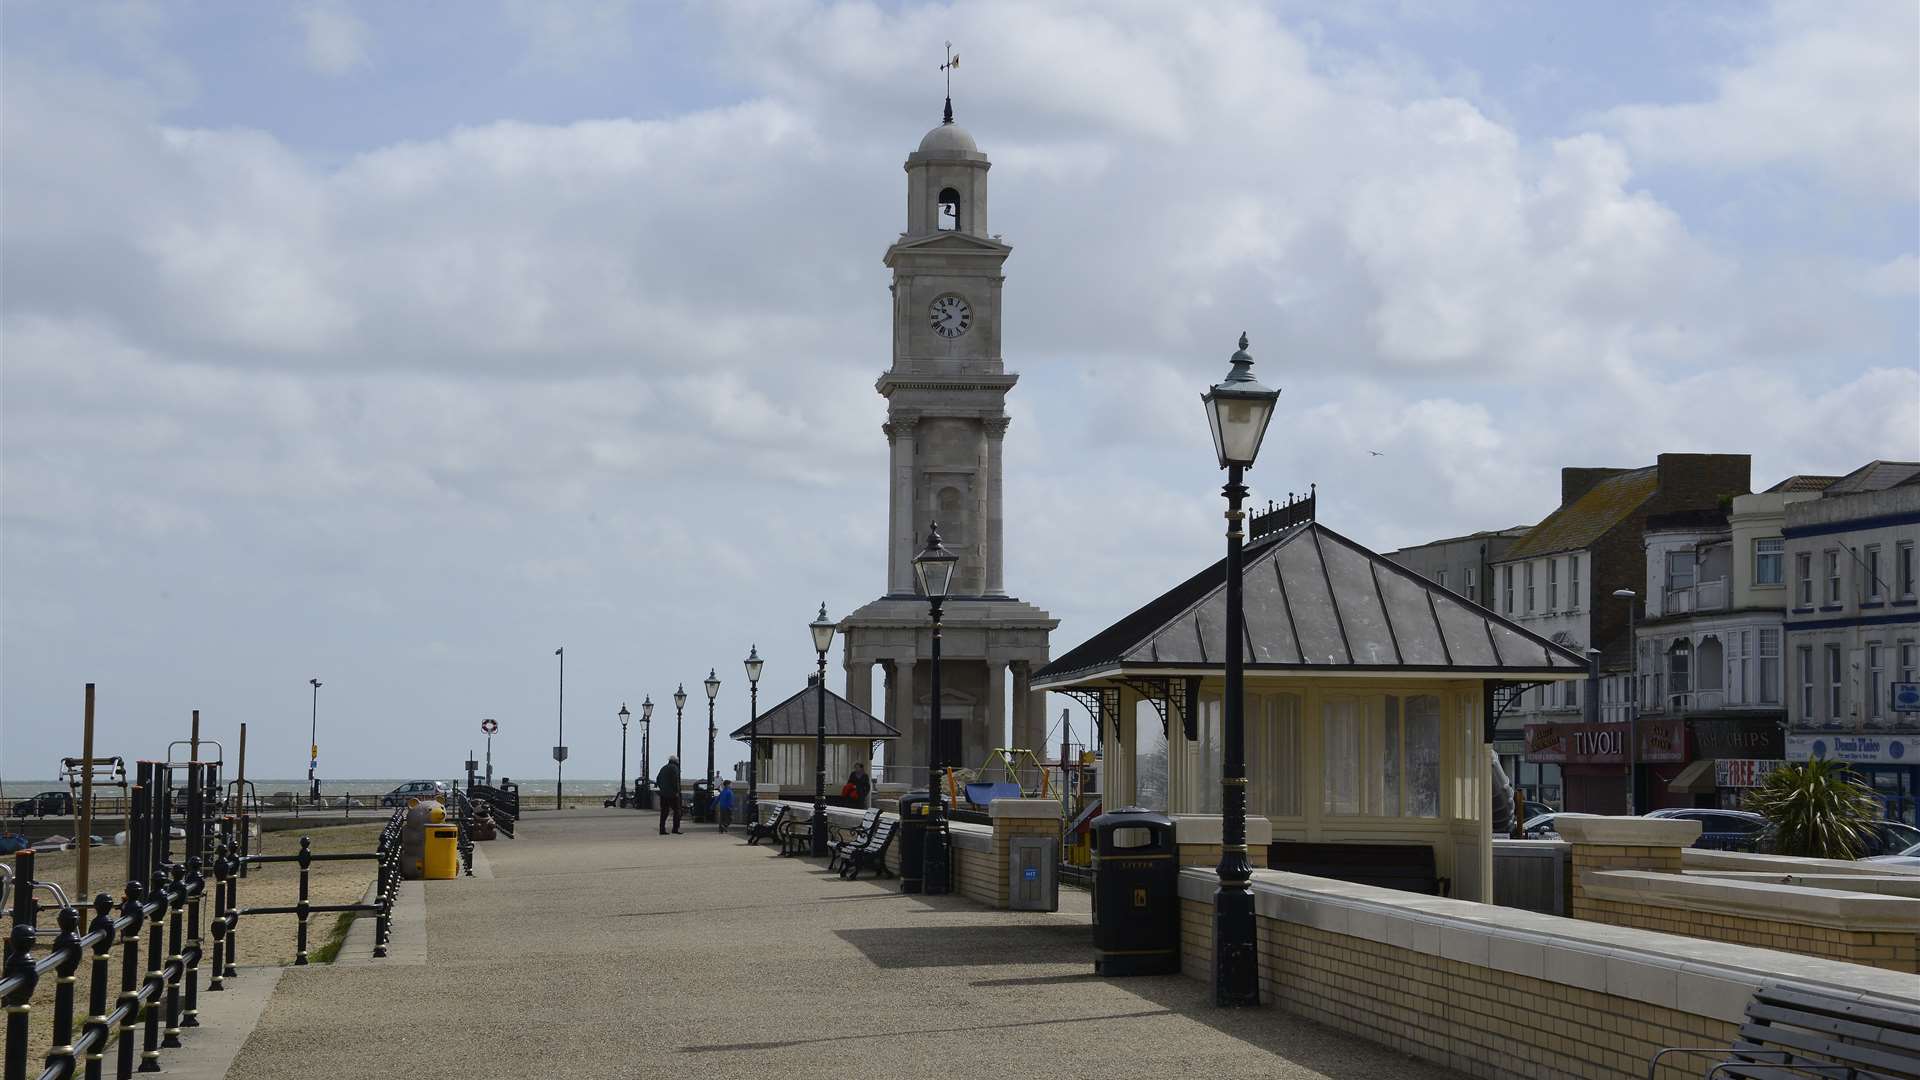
1828, 88
336, 39
564, 37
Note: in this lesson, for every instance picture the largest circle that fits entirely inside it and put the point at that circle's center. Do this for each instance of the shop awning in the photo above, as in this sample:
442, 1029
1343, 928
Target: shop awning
1696, 779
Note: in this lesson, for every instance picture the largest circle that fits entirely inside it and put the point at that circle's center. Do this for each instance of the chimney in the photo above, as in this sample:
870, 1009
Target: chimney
1575, 482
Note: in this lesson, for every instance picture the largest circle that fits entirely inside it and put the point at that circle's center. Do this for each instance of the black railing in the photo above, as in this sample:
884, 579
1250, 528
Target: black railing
501, 803
159, 992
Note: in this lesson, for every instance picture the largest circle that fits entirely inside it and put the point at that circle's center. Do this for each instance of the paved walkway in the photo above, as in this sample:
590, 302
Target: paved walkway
601, 949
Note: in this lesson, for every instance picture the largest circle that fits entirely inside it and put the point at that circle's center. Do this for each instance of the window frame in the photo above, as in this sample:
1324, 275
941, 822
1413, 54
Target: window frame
1573, 583
1508, 579
1903, 569
1777, 558
1832, 593
1870, 561
1804, 654
1553, 584
1531, 598
1876, 669
1769, 687
1836, 682
1803, 574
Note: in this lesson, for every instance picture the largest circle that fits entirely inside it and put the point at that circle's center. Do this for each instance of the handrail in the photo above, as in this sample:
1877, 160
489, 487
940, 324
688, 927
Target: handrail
159, 992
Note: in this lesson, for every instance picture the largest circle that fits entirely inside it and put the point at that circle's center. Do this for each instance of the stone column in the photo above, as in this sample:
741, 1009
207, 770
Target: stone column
992, 522
900, 547
996, 722
912, 749
1599, 844
860, 683
1029, 709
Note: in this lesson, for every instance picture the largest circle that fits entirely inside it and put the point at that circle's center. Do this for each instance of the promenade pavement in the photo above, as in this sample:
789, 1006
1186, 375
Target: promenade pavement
599, 948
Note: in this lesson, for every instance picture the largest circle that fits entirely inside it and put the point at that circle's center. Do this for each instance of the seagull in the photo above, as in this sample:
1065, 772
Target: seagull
1376, 453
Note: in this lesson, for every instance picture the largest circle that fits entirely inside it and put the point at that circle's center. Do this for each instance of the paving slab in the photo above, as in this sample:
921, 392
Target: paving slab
599, 948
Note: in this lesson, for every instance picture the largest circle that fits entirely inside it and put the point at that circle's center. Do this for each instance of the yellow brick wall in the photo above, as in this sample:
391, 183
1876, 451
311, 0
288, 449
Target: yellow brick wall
1896, 951
1208, 855
1478, 1020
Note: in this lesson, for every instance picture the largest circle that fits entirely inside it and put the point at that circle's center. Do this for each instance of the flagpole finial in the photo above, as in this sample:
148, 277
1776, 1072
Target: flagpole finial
946, 117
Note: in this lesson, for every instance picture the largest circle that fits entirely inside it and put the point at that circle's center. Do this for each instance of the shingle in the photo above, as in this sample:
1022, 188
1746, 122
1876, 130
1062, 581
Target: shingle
797, 716
1585, 520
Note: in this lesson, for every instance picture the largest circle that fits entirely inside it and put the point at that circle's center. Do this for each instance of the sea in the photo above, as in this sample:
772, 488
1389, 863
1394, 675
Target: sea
20, 789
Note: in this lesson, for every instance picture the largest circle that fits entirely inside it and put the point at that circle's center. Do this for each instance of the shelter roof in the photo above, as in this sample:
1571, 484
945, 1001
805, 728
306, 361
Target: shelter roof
1315, 601
798, 716
1588, 518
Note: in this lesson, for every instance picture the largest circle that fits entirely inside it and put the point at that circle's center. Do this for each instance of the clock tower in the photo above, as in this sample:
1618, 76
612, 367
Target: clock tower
946, 422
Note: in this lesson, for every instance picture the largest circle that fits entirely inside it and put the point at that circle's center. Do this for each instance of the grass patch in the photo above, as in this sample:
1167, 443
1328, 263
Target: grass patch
329, 950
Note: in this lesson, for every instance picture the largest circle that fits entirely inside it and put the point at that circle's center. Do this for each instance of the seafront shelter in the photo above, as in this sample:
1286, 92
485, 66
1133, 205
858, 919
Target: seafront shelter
785, 735
1371, 694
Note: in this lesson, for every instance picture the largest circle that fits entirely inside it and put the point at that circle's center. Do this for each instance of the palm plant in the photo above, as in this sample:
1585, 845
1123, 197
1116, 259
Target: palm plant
1815, 809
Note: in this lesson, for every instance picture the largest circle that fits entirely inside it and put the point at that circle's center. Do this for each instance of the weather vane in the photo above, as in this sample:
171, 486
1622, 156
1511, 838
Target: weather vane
947, 69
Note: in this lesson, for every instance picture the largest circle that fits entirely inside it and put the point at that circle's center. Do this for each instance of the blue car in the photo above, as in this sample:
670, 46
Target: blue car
1721, 830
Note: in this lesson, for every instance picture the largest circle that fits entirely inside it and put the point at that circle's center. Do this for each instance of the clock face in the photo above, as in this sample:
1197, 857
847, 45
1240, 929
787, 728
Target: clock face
951, 316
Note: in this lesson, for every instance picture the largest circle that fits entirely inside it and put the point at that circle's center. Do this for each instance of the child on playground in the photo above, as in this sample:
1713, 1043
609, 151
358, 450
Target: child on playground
723, 805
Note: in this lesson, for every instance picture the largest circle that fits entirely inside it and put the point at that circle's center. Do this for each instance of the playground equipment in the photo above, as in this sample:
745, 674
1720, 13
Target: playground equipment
981, 792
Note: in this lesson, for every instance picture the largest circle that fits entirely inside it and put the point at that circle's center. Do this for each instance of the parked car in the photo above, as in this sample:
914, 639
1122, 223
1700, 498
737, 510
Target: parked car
415, 789
1541, 827
1890, 838
1535, 809
1909, 858
45, 804
1720, 830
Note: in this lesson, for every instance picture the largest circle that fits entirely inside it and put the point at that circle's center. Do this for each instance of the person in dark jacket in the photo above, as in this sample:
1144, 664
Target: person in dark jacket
862, 784
669, 783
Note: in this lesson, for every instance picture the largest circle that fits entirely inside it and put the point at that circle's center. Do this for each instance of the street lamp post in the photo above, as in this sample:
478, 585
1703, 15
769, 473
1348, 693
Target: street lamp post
679, 715
1633, 691
313, 744
754, 664
642, 793
1238, 410
822, 629
560, 739
713, 771
934, 568
621, 792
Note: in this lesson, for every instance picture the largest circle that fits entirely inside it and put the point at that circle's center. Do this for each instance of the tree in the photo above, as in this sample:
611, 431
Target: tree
1815, 809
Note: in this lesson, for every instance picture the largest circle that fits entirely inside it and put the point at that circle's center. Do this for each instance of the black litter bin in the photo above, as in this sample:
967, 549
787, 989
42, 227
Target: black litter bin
642, 795
702, 801
914, 807
1136, 895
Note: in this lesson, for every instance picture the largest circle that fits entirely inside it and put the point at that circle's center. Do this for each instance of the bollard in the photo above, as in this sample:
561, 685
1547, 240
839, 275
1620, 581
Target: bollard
132, 910
306, 862
229, 907
102, 930
175, 893
64, 980
154, 983
190, 1005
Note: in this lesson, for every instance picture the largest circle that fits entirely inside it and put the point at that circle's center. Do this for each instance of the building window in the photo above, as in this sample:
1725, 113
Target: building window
1769, 554
1573, 583
1806, 683
1508, 577
1876, 681
1769, 667
1471, 594
1530, 600
1442, 580
1874, 590
1679, 667
1739, 665
1833, 576
1273, 738
1909, 660
1836, 673
1803, 572
1903, 568
1553, 584
1679, 570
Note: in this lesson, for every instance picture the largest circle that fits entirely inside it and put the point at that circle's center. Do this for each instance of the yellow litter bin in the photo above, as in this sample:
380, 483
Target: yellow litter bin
442, 858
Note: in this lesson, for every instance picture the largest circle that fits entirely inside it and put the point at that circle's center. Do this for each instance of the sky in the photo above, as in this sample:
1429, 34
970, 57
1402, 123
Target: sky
398, 345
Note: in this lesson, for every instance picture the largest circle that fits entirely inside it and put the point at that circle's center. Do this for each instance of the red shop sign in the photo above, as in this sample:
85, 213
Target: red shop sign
1661, 742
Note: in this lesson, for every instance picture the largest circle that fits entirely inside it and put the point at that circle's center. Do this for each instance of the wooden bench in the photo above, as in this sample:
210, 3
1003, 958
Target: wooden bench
847, 839
796, 835
1408, 867
873, 853
1793, 1032
760, 830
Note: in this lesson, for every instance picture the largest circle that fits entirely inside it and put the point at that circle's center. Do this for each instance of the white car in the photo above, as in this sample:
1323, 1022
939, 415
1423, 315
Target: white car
1540, 827
1907, 858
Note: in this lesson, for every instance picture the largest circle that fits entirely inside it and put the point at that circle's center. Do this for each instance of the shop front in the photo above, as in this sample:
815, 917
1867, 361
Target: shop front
1889, 764
1730, 755
1593, 758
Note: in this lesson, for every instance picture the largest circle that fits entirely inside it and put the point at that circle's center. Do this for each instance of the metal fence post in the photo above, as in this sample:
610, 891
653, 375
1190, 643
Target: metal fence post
102, 929
306, 863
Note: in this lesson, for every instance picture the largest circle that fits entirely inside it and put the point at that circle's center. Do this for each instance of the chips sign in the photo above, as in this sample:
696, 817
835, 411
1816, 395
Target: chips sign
489, 726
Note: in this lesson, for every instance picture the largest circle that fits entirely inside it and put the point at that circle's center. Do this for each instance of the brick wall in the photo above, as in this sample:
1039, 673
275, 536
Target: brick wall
1892, 950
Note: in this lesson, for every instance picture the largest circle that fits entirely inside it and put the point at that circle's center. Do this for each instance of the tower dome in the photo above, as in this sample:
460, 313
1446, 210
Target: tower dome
949, 140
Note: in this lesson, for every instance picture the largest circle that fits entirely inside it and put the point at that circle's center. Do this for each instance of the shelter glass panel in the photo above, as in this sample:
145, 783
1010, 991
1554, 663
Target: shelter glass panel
1273, 759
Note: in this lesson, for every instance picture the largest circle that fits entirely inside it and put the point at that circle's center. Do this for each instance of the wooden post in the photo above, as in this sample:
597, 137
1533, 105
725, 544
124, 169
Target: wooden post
84, 814
195, 746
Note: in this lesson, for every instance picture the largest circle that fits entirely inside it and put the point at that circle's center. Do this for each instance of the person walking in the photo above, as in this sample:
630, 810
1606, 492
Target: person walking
669, 783
723, 805
862, 784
